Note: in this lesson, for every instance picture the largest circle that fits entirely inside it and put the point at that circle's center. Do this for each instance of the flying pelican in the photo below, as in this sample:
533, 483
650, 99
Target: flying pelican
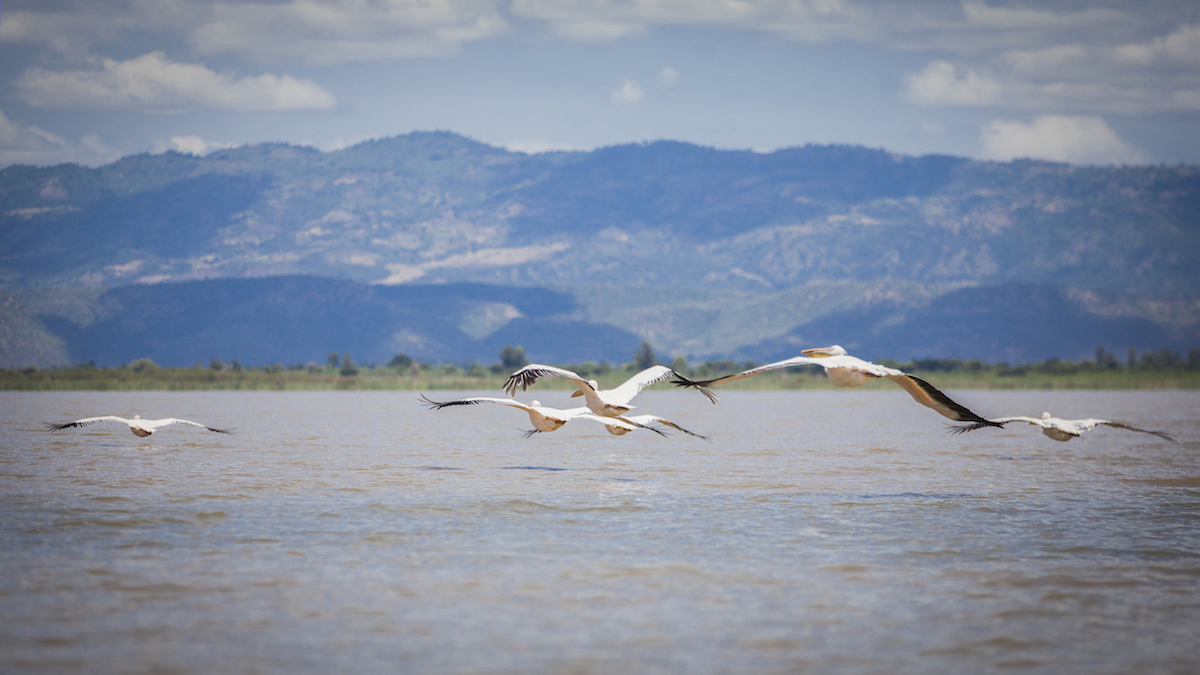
137, 425
603, 402
848, 371
1060, 429
544, 419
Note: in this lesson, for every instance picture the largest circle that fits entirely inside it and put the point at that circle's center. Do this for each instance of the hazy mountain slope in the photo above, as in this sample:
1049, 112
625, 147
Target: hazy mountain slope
1017, 323
300, 319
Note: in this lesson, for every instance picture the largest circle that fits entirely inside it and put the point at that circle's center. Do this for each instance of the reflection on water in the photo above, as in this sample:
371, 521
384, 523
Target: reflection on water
828, 531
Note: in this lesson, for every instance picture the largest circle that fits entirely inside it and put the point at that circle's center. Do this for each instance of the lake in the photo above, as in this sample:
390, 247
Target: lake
814, 531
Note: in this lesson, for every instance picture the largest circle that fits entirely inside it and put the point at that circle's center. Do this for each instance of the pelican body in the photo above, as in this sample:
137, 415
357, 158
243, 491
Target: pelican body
603, 402
1060, 429
544, 419
137, 425
844, 370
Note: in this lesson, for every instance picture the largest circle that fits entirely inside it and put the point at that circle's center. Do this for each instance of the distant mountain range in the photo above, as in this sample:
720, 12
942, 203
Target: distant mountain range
446, 249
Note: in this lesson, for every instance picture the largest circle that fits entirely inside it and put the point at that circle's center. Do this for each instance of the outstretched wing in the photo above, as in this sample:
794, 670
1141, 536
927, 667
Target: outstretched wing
787, 363
530, 374
85, 422
155, 424
438, 405
1119, 425
929, 396
613, 422
655, 419
654, 374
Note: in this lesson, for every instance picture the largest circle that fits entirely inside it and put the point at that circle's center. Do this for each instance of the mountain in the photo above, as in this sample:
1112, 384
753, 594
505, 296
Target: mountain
706, 253
290, 319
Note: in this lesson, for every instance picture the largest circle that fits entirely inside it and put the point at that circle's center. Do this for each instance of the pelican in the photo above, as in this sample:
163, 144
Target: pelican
603, 402
544, 419
1060, 429
137, 425
844, 370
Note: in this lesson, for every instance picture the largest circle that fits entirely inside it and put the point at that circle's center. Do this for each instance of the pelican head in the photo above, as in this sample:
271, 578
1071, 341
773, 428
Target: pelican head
835, 350
1045, 415
591, 383
535, 404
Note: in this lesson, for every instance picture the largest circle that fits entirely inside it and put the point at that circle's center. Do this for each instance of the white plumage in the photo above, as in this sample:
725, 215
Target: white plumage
543, 418
1063, 430
137, 425
604, 402
844, 370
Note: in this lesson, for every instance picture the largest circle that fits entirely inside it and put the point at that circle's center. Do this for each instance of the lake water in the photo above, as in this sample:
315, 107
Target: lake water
816, 531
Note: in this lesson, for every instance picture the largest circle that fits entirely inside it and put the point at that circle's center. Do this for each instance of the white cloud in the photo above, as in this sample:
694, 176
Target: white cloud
939, 84
190, 145
1039, 62
630, 93
668, 76
153, 82
1180, 46
596, 31
536, 146
20, 144
337, 31
1059, 138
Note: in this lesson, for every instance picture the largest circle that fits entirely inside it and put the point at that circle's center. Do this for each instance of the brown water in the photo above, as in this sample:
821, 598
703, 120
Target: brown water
825, 531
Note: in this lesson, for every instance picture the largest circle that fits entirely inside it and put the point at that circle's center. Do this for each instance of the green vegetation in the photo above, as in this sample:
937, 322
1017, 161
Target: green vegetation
1156, 370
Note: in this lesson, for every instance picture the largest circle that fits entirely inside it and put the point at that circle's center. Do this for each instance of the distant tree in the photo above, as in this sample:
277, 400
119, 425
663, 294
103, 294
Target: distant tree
333, 359
401, 361
1105, 360
680, 365
235, 366
348, 369
644, 358
1193, 362
215, 364
1132, 357
143, 365
513, 357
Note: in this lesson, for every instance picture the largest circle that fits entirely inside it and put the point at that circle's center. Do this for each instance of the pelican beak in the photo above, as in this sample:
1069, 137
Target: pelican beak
816, 351
577, 393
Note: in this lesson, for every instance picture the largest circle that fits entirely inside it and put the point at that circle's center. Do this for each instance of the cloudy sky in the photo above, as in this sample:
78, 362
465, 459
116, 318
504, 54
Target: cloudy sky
90, 81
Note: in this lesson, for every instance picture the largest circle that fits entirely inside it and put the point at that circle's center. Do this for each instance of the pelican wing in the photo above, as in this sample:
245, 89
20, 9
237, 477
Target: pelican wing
1085, 425
526, 376
956, 430
85, 422
155, 424
788, 363
652, 375
655, 419
613, 422
929, 396
438, 405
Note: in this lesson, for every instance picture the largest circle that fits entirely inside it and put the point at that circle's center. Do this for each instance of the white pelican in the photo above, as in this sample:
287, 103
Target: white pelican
137, 425
604, 402
1060, 429
544, 419
644, 420
849, 371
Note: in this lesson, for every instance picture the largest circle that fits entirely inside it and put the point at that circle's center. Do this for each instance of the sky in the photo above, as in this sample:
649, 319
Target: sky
90, 81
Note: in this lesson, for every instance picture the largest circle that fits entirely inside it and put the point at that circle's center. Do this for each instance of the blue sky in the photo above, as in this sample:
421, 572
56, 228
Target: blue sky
90, 81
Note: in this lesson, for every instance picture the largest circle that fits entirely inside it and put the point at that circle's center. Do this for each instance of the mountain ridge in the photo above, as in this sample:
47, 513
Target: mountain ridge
736, 229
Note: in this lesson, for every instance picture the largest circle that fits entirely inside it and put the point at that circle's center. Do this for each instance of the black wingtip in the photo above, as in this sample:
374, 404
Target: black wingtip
702, 387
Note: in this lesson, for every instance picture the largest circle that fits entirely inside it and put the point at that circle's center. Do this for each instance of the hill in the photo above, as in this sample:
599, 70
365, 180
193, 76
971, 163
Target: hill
704, 252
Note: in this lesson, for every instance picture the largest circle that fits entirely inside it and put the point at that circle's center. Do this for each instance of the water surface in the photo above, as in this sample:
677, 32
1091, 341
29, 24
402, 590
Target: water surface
816, 531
